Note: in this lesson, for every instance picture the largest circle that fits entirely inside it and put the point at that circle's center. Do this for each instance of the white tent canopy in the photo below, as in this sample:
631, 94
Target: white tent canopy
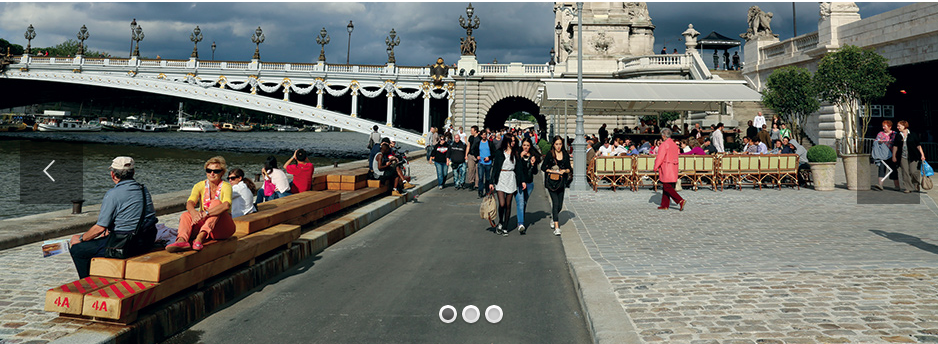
647, 96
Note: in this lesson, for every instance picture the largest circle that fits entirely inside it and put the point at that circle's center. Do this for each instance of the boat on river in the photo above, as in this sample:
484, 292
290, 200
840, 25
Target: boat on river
286, 128
236, 127
198, 126
67, 124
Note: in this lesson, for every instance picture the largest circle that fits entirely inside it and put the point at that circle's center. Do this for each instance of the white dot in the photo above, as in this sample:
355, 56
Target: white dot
448, 314
470, 314
493, 314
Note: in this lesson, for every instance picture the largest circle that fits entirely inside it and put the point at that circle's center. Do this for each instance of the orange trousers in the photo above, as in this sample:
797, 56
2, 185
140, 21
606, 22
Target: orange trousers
216, 227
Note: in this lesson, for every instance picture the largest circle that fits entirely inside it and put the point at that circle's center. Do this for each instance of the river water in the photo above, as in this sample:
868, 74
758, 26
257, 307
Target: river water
165, 162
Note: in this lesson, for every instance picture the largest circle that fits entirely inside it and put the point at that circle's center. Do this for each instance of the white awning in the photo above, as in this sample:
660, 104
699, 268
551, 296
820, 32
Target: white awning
647, 96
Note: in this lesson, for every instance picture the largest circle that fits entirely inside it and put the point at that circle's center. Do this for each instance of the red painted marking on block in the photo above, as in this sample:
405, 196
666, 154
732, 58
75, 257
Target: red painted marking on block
103, 293
91, 282
141, 285
65, 288
130, 290
117, 292
79, 287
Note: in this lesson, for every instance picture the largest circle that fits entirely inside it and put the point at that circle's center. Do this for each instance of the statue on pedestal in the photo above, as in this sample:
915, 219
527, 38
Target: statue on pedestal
759, 24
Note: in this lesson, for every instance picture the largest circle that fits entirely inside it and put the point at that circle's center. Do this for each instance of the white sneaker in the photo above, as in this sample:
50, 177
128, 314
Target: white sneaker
557, 231
522, 230
552, 225
441, 187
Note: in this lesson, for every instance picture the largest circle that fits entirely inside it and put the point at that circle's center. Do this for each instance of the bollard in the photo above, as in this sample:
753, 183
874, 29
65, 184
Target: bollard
76, 206
335, 164
257, 177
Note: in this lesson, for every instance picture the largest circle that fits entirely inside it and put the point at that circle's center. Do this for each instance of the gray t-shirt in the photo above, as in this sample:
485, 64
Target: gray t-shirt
905, 147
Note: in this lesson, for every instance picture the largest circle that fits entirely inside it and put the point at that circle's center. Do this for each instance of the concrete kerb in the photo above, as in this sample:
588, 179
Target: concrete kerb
606, 319
180, 312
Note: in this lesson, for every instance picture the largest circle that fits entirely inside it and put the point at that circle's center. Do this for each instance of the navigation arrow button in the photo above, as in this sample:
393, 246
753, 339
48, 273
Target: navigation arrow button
45, 170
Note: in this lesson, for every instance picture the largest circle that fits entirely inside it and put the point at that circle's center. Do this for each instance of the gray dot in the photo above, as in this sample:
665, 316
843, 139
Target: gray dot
449, 313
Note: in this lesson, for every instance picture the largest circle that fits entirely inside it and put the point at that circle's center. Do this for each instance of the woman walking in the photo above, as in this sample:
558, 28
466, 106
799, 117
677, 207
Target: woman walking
885, 138
666, 165
907, 151
557, 170
505, 180
527, 169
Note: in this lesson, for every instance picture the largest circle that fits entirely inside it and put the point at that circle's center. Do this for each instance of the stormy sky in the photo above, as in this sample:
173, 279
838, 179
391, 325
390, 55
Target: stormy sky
509, 32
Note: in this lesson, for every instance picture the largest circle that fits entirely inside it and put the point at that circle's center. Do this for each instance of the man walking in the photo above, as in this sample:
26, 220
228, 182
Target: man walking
374, 138
716, 138
485, 162
457, 160
431, 141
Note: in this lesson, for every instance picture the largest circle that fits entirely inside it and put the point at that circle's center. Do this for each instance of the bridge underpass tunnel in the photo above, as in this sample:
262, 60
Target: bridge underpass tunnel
500, 111
909, 98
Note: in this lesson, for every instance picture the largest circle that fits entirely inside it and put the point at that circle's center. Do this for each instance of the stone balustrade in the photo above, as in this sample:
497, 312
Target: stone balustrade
789, 47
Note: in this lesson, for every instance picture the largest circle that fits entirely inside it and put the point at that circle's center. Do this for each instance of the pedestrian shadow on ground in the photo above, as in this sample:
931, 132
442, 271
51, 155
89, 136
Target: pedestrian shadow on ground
655, 198
908, 239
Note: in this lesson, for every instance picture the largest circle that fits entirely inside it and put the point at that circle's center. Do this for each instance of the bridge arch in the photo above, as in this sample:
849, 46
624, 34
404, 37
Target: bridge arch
498, 113
209, 92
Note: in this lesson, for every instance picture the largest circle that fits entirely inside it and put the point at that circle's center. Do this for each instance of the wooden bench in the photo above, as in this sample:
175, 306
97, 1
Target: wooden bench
348, 180
617, 170
138, 282
705, 170
686, 169
644, 168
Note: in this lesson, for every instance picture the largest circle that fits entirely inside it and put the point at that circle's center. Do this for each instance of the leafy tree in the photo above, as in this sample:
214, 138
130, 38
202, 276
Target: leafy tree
790, 92
849, 77
69, 48
15, 49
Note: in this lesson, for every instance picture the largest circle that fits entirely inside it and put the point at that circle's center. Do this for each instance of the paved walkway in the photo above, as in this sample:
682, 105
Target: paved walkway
387, 283
766, 266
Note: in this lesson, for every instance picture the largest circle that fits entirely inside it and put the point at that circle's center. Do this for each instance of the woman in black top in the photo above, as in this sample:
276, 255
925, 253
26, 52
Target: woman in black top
527, 168
907, 152
557, 170
505, 179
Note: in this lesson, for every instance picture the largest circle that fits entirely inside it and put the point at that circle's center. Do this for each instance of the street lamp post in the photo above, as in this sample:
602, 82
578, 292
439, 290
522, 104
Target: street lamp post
258, 38
465, 79
133, 28
196, 37
213, 50
322, 40
348, 51
551, 65
392, 41
138, 36
579, 142
29, 35
82, 36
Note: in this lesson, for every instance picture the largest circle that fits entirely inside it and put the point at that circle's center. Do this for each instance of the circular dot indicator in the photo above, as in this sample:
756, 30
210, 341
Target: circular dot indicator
493, 314
448, 314
470, 314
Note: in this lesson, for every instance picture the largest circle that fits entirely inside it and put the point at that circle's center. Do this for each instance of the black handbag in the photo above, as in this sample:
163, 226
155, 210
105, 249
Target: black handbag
126, 244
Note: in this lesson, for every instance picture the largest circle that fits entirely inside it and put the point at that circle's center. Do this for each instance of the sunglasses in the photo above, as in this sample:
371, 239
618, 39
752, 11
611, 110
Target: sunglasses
218, 171
233, 177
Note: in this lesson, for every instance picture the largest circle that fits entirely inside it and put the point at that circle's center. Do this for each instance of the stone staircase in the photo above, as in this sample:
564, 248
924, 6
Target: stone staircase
728, 74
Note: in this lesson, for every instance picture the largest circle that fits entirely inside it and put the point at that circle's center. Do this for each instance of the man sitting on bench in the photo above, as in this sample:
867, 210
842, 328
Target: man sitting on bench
120, 211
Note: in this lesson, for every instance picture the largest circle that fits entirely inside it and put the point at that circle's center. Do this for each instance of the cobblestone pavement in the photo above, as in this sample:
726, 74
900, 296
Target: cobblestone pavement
25, 276
751, 266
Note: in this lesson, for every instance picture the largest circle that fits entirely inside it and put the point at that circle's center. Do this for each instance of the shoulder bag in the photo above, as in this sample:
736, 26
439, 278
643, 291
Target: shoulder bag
927, 172
126, 244
489, 208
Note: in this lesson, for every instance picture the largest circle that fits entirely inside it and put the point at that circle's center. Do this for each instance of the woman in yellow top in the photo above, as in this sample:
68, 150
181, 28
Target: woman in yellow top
208, 210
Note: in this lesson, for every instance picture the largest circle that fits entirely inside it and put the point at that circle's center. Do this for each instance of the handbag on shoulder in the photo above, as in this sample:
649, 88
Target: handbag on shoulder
126, 244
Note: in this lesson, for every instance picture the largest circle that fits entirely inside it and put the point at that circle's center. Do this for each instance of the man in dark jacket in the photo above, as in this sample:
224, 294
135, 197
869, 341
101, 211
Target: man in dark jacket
472, 156
456, 156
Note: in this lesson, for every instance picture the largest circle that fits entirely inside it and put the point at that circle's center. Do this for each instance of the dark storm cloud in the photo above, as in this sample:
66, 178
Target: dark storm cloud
510, 32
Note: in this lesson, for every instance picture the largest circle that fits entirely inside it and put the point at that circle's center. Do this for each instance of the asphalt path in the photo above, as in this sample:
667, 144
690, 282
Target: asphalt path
388, 282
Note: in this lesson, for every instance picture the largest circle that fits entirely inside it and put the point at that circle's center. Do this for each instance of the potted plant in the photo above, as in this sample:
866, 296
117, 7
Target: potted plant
848, 78
822, 160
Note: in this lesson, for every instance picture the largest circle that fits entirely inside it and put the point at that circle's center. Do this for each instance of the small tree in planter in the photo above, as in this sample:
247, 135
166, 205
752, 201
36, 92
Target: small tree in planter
791, 93
848, 78
822, 160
